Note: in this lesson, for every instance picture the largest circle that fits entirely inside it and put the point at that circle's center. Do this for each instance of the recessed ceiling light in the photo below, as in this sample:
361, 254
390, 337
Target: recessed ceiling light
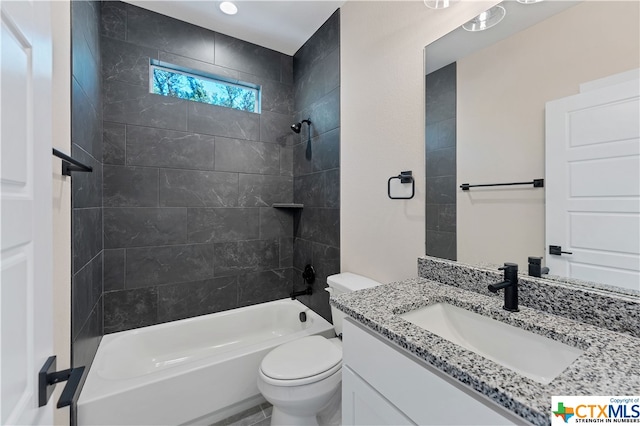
528, 1
228, 7
438, 4
486, 19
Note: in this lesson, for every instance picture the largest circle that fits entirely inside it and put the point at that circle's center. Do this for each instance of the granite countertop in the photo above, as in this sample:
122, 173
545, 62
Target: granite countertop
608, 366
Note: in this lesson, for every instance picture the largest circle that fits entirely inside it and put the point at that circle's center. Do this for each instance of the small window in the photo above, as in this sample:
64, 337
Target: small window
168, 80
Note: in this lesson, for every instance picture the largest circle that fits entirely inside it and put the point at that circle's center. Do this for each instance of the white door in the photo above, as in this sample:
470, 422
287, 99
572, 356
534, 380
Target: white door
593, 184
25, 192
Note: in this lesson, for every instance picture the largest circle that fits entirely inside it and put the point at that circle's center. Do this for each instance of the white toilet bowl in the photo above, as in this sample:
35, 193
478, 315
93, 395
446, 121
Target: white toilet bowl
302, 379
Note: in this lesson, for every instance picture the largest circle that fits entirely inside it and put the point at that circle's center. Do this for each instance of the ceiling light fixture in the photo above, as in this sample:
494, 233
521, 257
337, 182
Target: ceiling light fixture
528, 1
438, 4
486, 19
228, 7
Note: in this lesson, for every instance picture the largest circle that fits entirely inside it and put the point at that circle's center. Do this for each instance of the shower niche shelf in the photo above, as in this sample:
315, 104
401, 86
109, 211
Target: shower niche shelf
287, 206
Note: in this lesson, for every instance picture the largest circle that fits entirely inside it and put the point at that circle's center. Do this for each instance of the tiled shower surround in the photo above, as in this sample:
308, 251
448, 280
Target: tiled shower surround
86, 188
441, 162
316, 161
188, 187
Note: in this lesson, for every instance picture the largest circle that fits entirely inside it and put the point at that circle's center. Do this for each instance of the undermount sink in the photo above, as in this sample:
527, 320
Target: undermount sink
531, 355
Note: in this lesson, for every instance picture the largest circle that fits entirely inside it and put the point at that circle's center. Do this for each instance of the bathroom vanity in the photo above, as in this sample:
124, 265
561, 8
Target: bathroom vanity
381, 384
396, 371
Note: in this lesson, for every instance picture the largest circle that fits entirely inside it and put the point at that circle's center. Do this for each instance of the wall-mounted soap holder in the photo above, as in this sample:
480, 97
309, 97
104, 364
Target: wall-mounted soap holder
399, 190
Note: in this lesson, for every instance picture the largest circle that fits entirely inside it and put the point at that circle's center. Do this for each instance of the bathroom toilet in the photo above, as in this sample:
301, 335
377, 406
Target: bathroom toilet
302, 379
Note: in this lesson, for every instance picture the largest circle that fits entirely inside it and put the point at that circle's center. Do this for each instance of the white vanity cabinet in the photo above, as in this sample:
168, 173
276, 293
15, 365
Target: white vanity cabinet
383, 385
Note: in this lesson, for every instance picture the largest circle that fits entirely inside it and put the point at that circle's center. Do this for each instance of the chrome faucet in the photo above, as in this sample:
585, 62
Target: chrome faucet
510, 285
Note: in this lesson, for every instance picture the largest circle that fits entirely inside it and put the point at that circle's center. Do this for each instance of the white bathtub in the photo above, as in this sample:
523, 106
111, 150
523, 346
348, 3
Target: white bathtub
194, 371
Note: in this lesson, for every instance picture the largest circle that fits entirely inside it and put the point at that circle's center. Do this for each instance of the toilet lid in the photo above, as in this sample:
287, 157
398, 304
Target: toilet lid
302, 358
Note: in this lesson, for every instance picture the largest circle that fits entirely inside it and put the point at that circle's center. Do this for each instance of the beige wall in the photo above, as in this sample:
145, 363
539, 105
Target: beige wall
382, 129
61, 188
502, 92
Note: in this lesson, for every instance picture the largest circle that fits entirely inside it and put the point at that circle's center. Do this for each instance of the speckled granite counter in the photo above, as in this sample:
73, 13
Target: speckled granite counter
608, 366
578, 300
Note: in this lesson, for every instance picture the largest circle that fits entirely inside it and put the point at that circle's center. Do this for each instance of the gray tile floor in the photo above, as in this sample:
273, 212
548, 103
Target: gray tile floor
260, 415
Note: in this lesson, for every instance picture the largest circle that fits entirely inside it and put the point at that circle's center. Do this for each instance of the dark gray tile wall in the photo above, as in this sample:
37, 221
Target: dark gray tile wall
188, 187
316, 161
86, 188
441, 162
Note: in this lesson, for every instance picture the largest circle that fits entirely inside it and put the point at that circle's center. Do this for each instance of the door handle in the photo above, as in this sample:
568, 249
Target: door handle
557, 250
48, 377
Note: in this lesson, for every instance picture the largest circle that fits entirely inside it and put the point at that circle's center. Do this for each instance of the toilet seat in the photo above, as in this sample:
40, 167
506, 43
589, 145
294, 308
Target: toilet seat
303, 361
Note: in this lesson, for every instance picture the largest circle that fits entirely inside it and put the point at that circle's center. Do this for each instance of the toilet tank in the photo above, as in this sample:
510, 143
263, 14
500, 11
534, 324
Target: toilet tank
345, 282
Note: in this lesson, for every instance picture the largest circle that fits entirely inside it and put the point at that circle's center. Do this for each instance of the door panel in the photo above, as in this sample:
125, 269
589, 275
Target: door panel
593, 184
597, 124
606, 177
15, 351
610, 232
599, 273
25, 197
16, 118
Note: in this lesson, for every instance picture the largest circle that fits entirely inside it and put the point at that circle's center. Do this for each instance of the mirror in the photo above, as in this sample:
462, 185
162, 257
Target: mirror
485, 119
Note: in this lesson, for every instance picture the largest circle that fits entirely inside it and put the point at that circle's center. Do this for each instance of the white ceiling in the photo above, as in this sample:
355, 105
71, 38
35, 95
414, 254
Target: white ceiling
279, 25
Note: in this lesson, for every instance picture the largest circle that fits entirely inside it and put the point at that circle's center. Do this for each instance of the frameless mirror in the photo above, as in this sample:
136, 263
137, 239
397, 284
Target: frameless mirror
486, 97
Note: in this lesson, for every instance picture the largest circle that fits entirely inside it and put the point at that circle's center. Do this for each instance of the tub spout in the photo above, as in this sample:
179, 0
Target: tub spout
295, 294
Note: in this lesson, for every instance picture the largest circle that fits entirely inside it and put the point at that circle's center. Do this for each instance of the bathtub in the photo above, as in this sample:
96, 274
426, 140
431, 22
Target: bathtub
194, 371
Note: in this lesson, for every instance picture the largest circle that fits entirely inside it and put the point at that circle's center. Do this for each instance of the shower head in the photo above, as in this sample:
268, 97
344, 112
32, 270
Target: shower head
296, 127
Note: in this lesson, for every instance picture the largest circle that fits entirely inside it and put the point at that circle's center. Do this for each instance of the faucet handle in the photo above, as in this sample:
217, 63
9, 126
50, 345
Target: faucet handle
510, 272
507, 266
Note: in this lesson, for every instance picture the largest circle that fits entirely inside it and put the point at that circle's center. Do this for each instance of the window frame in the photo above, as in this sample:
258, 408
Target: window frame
201, 75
